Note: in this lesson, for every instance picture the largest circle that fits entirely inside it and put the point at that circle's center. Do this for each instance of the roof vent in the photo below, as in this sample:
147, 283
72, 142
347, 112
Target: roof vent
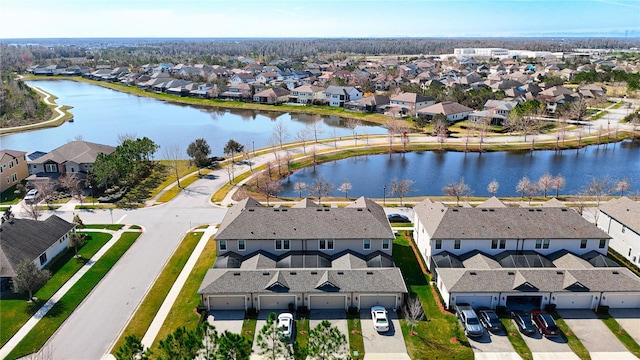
564, 209
318, 209
340, 272
532, 210
250, 209
293, 273
540, 210
456, 210
327, 209
484, 210
473, 273
236, 274
511, 273
369, 272
314, 273
492, 210
265, 273
285, 209
359, 210
615, 272
276, 209
560, 272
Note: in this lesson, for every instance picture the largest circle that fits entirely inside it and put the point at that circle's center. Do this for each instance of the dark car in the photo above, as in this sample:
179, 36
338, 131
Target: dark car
523, 320
545, 323
490, 320
397, 218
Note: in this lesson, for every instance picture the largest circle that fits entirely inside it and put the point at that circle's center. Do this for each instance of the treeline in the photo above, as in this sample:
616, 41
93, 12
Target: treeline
632, 79
19, 104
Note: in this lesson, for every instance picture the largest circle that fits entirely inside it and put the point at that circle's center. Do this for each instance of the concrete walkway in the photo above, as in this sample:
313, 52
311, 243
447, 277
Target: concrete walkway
31, 323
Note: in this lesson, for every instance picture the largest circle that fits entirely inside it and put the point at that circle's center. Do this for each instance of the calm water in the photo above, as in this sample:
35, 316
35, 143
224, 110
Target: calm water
431, 171
101, 114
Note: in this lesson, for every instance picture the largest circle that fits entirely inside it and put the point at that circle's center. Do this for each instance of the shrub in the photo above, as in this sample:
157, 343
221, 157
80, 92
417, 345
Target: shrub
550, 307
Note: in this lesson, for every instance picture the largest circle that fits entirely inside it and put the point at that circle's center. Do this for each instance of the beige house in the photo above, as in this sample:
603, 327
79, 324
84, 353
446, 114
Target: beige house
13, 168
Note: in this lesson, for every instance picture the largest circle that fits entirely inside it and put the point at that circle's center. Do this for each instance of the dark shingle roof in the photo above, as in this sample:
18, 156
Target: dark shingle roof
77, 151
22, 239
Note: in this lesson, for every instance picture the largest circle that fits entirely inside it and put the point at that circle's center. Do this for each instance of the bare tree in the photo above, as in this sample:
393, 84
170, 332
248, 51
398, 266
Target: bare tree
287, 157
280, 132
320, 188
527, 188
405, 139
299, 186
393, 127
46, 190
400, 188
72, 184
599, 188
558, 183
352, 124
126, 136
248, 157
345, 187
173, 153
457, 189
334, 135
32, 210
268, 186
493, 186
413, 312
545, 182
622, 185
302, 136
315, 128
230, 169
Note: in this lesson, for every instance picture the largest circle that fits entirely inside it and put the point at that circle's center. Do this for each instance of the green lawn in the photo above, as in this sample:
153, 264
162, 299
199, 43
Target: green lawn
16, 311
515, 338
621, 334
440, 335
139, 323
356, 342
572, 340
36, 338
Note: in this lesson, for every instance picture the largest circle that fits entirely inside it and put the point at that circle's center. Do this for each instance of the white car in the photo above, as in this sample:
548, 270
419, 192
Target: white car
285, 324
380, 320
32, 195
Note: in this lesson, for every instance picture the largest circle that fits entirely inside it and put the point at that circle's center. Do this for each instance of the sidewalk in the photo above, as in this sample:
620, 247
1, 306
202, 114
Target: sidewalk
31, 323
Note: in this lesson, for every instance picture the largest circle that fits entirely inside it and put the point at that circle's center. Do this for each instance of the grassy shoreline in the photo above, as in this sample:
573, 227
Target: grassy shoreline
67, 115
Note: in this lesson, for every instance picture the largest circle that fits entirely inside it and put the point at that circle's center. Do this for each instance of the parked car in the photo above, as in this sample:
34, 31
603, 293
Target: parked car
523, 320
32, 196
469, 320
380, 319
489, 319
398, 218
285, 324
545, 323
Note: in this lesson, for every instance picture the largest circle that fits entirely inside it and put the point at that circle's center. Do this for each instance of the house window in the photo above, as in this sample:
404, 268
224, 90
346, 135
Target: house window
438, 244
14, 177
456, 244
624, 228
8, 180
50, 168
10, 164
43, 259
242, 245
283, 245
326, 245
494, 244
385, 244
545, 244
503, 244
538, 243
583, 244
366, 244
629, 254
602, 244
223, 245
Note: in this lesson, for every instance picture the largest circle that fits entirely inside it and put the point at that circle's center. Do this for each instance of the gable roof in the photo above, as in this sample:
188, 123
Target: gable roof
625, 211
80, 152
26, 239
492, 202
12, 153
445, 108
411, 98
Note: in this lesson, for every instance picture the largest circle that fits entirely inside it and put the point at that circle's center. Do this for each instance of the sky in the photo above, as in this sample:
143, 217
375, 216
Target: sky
315, 18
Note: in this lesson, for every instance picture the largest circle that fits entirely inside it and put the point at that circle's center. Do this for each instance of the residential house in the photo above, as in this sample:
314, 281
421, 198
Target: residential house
32, 240
241, 78
13, 168
306, 255
338, 95
306, 94
241, 91
494, 110
620, 218
373, 103
409, 103
506, 256
451, 110
276, 95
267, 77
75, 157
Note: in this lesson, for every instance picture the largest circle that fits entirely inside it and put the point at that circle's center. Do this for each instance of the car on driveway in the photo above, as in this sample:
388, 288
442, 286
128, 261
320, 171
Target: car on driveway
489, 319
523, 320
285, 324
545, 323
469, 320
32, 196
380, 319
398, 218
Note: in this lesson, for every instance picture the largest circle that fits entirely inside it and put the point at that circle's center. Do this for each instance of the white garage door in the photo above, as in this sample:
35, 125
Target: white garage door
475, 301
276, 302
226, 302
622, 301
333, 302
367, 301
573, 301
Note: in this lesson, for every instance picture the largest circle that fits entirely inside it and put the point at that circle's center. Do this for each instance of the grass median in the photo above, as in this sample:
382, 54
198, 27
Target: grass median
48, 325
16, 310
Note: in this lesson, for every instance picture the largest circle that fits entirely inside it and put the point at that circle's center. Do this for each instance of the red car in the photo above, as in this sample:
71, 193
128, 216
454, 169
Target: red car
545, 323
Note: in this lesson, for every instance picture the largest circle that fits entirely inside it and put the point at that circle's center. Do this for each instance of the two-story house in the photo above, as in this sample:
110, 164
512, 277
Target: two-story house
496, 111
338, 95
32, 240
306, 255
503, 256
75, 157
13, 168
306, 94
620, 218
410, 102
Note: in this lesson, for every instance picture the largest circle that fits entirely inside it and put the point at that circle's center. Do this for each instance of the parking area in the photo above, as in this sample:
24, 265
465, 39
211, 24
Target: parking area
493, 346
230, 320
553, 348
629, 319
387, 345
262, 321
595, 335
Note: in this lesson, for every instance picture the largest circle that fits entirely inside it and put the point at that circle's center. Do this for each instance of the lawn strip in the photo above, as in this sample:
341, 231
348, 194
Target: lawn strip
16, 311
515, 338
620, 333
356, 342
43, 330
174, 191
140, 321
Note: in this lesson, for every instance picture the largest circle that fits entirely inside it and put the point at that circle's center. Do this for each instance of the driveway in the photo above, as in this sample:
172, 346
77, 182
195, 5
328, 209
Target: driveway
387, 345
629, 319
595, 335
493, 346
262, 321
227, 321
337, 318
553, 348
